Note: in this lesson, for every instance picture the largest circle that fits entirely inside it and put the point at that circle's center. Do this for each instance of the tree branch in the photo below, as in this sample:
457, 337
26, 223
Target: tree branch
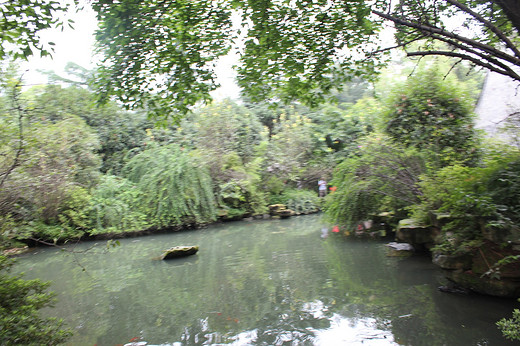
426, 29
470, 50
487, 23
507, 72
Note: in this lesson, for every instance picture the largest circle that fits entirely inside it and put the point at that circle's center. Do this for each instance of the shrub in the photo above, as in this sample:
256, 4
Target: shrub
20, 323
115, 206
175, 188
301, 201
382, 177
433, 113
475, 197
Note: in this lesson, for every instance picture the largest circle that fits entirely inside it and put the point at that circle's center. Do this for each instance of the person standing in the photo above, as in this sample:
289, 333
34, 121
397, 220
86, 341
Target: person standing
322, 187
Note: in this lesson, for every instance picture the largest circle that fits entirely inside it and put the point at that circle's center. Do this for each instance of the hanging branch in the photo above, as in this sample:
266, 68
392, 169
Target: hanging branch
488, 24
490, 57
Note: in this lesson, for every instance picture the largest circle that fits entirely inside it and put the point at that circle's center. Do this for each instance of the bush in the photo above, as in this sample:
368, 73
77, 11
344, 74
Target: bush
511, 327
301, 201
115, 207
475, 197
382, 177
434, 114
20, 301
175, 189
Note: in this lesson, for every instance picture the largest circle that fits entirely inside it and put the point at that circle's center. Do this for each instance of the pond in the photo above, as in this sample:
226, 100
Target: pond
268, 282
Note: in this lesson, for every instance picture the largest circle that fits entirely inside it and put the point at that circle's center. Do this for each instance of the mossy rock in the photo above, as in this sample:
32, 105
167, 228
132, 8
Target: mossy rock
280, 211
414, 232
484, 285
179, 251
285, 213
458, 261
275, 208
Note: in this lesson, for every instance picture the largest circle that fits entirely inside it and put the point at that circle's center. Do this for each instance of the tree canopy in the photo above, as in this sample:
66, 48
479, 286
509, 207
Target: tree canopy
21, 23
161, 56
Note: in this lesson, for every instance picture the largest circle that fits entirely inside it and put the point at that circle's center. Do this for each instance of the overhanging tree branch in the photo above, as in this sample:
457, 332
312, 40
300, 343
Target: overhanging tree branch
490, 57
434, 30
487, 23
508, 72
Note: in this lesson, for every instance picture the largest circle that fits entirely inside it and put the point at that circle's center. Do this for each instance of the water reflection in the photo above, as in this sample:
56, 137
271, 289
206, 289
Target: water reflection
275, 282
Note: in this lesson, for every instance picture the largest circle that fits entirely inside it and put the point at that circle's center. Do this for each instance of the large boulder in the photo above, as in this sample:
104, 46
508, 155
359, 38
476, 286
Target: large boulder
179, 251
484, 285
421, 237
452, 262
280, 210
484, 269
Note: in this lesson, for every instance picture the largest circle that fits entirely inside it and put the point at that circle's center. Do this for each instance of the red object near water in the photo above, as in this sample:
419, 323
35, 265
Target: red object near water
335, 229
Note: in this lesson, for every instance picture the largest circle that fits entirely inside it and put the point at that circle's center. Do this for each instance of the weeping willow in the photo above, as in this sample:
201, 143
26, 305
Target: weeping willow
175, 188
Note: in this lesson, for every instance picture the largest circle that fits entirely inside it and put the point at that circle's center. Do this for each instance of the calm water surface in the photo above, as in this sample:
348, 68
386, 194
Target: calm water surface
281, 282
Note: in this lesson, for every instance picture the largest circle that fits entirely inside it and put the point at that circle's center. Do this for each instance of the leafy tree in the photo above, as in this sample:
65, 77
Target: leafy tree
290, 149
227, 137
118, 131
45, 166
340, 126
20, 301
292, 47
433, 113
115, 207
161, 56
21, 24
175, 188
382, 176
290, 50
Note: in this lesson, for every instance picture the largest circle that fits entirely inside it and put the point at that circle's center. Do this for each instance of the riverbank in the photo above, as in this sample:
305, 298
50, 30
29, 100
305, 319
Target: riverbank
276, 212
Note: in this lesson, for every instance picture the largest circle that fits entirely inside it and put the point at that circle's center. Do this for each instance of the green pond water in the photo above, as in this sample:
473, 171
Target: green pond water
269, 282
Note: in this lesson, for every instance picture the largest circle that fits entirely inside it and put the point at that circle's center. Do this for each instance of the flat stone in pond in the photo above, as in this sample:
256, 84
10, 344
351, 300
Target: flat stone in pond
179, 251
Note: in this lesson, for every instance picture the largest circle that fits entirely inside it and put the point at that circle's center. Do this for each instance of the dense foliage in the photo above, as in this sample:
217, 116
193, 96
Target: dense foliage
288, 50
475, 197
69, 169
21, 24
175, 188
382, 176
434, 114
20, 323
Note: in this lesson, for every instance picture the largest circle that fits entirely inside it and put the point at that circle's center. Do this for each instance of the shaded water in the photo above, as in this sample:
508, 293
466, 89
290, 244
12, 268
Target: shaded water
277, 282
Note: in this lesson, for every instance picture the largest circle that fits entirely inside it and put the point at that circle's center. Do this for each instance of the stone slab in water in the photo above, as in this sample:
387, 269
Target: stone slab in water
179, 251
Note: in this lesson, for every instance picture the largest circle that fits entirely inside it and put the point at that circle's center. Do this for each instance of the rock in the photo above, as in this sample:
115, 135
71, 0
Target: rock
476, 270
400, 246
179, 251
501, 234
452, 262
280, 210
411, 231
454, 289
439, 219
285, 213
484, 285
399, 249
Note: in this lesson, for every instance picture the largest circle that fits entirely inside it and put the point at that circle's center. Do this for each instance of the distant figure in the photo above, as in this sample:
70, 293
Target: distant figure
322, 187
